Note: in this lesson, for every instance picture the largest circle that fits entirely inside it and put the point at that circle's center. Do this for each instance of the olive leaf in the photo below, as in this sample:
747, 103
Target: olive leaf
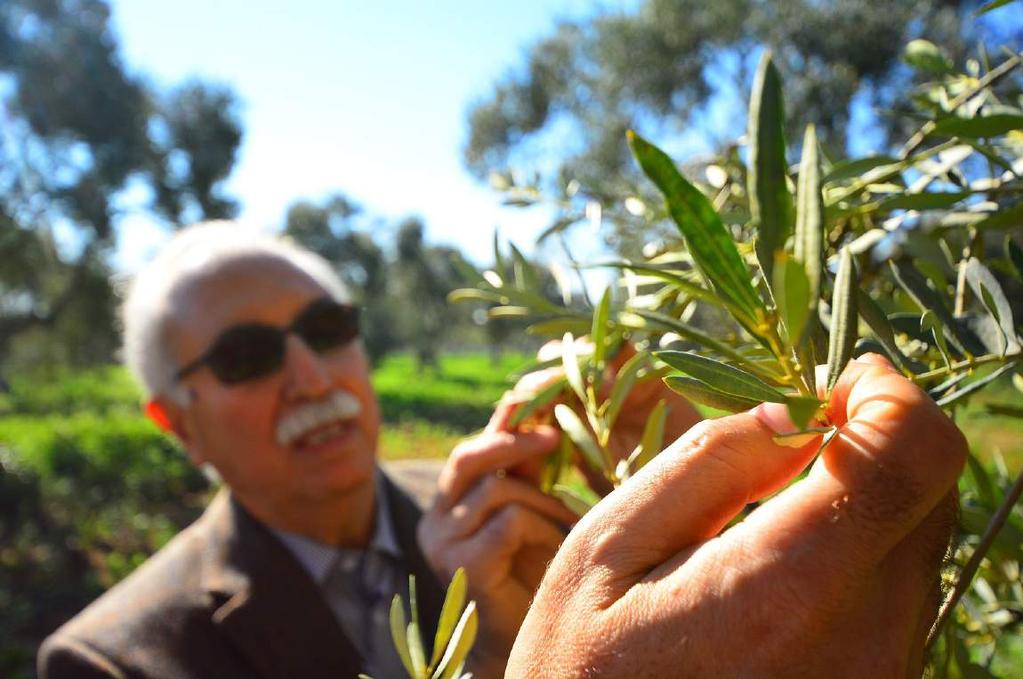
462, 639
454, 601
989, 291
570, 362
802, 409
1014, 254
700, 392
985, 126
711, 247
769, 198
540, 399
652, 440
877, 321
809, 233
624, 380
581, 437
721, 377
575, 501
929, 322
599, 331
842, 338
792, 296
398, 634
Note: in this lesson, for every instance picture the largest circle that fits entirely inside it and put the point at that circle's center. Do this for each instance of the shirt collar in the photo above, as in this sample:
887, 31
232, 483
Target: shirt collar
319, 559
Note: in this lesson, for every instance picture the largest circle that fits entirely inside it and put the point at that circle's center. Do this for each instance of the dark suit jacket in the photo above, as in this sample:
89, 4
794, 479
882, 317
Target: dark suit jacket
224, 599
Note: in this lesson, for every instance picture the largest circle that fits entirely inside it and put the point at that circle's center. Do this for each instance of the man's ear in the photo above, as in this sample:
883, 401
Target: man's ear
170, 417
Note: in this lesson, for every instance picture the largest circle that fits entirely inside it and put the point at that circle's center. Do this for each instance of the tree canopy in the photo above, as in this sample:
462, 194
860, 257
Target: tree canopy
86, 140
676, 64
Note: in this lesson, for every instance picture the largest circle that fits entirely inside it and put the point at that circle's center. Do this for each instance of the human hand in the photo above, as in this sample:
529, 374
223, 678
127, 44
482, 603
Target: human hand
490, 518
836, 575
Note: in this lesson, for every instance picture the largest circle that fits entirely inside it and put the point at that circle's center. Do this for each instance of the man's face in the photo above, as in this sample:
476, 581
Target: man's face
282, 439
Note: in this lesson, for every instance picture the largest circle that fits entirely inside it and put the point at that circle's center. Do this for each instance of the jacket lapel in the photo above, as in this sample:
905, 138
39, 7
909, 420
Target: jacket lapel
267, 605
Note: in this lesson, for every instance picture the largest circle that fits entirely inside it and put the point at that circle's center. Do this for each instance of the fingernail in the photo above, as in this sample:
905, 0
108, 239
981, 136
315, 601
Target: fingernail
775, 416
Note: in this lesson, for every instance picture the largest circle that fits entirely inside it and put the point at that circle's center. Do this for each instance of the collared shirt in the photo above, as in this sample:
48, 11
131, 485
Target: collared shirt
359, 584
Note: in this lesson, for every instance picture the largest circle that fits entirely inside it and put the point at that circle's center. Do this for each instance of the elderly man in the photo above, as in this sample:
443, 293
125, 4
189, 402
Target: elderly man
248, 347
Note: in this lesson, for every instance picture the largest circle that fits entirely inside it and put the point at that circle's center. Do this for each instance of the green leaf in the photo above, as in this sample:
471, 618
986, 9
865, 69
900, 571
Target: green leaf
1008, 218
720, 376
652, 441
555, 463
509, 312
878, 323
802, 409
994, 4
925, 55
685, 331
537, 401
928, 300
808, 249
462, 639
1014, 254
701, 392
842, 338
570, 362
572, 499
675, 279
473, 295
499, 264
986, 287
769, 198
993, 125
450, 612
710, 245
624, 380
936, 200
599, 332
929, 322
415, 649
854, 168
792, 295
525, 275
398, 634
798, 439
581, 437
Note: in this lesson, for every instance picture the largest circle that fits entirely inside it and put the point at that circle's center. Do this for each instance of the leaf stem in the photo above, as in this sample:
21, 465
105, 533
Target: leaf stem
970, 569
963, 365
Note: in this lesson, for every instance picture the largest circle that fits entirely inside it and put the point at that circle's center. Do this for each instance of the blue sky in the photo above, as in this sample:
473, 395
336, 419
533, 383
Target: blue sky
365, 97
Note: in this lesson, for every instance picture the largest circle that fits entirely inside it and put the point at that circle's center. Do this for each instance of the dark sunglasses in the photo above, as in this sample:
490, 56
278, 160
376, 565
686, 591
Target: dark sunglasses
251, 350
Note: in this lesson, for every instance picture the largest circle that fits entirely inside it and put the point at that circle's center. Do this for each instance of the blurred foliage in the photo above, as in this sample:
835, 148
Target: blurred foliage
677, 71
914, 254
83, 137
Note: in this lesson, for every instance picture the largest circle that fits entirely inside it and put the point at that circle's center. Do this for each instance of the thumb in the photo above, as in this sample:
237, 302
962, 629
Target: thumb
689, 492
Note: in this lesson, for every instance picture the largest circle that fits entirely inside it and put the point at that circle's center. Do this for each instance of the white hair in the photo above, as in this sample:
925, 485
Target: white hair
193, 253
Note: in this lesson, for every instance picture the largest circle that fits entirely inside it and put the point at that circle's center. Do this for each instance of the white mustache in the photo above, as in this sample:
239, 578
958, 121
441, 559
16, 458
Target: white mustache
339, 405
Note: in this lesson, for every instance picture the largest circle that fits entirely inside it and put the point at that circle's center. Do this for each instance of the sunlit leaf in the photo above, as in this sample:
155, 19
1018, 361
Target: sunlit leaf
1008, 218
720, 376
842, 338
599, 332
398, 634
685, 331
769, 198
555, 463
499, 263
570, 362
576, 502
450, 612
925, 55
798, 439
927, 299
558, 327
509, 312
462, 639
473, 295
540, 399
624, 380
702, 393
652, 441
710, 245
415, 649
525, 275
807, 243
581, 437
992, 125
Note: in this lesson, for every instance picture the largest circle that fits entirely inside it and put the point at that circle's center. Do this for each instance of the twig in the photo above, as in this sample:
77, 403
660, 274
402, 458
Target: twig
990, 77
970, 569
